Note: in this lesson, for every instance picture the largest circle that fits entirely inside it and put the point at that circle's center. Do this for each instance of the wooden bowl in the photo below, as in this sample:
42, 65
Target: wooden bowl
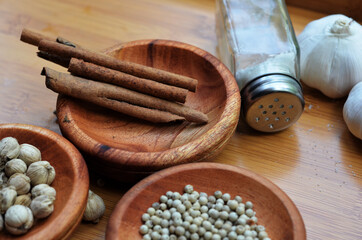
126, 148
71, 181
274, 209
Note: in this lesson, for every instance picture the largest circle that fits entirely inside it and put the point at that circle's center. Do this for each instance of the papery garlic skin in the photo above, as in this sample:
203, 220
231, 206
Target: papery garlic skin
352, 111
24, 200
42, 206
21, 182
331, 55
18, 219
15, 166
95, 208
40, 172
43, 189
29, 153
7, 198
9, 149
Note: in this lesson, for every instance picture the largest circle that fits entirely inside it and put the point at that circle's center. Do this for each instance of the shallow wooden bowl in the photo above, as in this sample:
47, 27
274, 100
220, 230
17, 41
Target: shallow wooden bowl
126, 148
71, 181
274, 209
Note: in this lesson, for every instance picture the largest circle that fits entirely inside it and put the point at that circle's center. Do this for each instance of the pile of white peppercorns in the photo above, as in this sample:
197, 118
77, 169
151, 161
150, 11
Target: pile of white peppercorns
194, 215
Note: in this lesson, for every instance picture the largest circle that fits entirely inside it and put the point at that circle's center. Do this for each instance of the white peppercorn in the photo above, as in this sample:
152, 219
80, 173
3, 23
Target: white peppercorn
249, 212
194, 236
163, 199
143, 229
219, 223
151, 211
189, 189
157, 228
224, 215
248, 204
218, 194
233, 216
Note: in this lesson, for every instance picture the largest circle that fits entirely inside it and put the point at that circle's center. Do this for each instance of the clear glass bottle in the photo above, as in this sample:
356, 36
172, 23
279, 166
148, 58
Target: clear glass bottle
256, 41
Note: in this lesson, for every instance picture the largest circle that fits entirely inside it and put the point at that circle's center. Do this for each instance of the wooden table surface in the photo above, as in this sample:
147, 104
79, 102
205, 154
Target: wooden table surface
317, 162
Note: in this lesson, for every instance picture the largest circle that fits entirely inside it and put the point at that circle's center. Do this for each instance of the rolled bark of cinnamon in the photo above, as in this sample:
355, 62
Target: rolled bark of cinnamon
135, 69
93, 91
32, 37
103, 74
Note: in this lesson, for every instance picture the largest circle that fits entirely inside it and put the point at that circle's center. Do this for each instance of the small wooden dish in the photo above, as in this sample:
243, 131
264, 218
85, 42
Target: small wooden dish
71, 181
274, 209
126, 148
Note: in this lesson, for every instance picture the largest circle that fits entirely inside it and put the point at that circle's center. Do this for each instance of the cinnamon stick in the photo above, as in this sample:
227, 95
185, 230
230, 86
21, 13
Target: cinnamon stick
34, 38
93, 91
116, 64
99, 73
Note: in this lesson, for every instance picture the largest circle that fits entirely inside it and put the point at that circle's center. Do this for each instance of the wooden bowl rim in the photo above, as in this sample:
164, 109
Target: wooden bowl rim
79, 195
114, 221
115, 156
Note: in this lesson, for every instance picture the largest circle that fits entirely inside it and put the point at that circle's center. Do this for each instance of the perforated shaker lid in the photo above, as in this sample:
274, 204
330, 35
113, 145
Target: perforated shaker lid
272, 103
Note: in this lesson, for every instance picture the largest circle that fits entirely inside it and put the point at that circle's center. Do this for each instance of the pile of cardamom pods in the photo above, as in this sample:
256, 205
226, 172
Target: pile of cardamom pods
25, 191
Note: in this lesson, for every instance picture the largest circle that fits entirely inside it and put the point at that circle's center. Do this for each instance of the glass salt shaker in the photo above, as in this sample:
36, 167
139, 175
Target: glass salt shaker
256, 41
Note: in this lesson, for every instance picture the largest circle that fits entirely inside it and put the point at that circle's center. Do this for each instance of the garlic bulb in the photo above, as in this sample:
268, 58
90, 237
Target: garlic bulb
352, 111
29, 153
95, 208
42, 206
331, 55
18, 219
7, 198
24, 200
15, 166
9, 149
21, 182
40, 172
43, 189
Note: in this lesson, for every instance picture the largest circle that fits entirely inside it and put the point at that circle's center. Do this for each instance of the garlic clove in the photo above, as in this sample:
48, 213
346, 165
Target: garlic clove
9, 149
43, 189
42, 206
40, 172
7, 198
24, 200
15, 166
18, 219
95, 208
29, 153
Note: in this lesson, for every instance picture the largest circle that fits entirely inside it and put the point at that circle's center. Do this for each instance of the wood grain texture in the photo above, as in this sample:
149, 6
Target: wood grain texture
131, 145
350, 8
317, 162
273, 207
71, 181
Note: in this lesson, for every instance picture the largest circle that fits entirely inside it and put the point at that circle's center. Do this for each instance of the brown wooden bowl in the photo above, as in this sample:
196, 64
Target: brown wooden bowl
126, 148
274, 209
71, 181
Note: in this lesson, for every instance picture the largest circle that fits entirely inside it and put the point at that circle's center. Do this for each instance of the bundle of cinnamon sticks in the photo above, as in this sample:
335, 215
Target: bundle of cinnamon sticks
140, 91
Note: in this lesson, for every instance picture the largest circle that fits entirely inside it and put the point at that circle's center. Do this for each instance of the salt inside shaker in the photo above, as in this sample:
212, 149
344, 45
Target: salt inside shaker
256, 41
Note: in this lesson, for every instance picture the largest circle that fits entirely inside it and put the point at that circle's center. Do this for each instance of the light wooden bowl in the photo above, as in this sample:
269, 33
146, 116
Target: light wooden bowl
127, 149
71, 181
274, 209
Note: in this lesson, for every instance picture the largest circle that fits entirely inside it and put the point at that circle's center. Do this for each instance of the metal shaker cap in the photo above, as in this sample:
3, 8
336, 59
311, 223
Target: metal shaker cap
272, 102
